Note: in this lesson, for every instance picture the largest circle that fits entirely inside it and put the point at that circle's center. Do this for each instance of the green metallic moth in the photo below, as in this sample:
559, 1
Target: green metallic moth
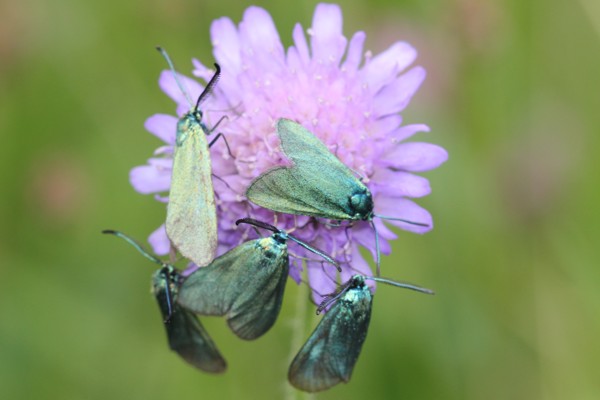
317, 185
186, 336
246, 284
330, 353
191, 212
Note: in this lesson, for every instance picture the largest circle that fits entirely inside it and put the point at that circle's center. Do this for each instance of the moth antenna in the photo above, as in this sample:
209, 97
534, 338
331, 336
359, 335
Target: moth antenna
174, 71
401, 220
377, 251
333, 297
316, 251
209, 87
136, 245
260, 224
404, 285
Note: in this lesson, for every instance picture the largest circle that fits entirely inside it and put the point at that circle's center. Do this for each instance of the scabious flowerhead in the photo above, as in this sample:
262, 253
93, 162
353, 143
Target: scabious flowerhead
350, 102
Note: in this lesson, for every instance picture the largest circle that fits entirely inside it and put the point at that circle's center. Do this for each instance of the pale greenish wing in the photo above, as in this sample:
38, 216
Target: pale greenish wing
191, 212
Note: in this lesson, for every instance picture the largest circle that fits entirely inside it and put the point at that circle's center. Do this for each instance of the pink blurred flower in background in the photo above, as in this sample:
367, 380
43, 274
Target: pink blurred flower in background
352, 103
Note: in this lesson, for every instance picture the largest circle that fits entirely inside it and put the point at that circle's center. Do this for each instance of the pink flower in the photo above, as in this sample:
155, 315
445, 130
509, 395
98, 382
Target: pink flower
352, 104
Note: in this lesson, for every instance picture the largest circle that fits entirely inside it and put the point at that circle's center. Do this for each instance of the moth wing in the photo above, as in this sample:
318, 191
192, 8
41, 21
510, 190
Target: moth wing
213, 289
279, 189
189, 339
191, 213
303, 147
256, 309
330, 353
304, 190
318, 184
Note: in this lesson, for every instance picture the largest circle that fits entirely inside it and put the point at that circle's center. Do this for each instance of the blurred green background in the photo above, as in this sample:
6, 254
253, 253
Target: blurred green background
513, 94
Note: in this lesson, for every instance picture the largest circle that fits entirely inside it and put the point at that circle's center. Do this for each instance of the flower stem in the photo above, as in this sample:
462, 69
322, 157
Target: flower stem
297, 324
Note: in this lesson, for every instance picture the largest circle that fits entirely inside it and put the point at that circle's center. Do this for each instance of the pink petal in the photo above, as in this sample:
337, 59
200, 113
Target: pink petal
162, 126
226, 44
400, 184
395, 97
358, 266
387, 123
260, 39
415, 157
366, 238
384, 67
405, 209
159, 241
321, 282
147, 179
355, 50
327, 42
407, 131
300, 44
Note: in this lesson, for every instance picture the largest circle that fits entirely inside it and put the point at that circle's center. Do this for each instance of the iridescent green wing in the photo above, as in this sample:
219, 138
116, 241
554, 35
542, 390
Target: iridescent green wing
191, 213
246, 285
330, 353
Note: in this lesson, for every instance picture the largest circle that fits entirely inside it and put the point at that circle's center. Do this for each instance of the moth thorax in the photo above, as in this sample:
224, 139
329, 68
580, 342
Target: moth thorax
188, 124
274, 246
357, 281
361, 204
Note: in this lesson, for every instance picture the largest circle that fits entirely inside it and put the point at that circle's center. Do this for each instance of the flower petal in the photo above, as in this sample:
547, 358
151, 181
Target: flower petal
395, 97
226, 45
358, 266
387, 124
159, 241
162, 126
355, 50
301, 45
327, 42
383, 68
151, 178
415, 157
321, 282
405, 209
365, 236
407, 131
260, 39
392, 183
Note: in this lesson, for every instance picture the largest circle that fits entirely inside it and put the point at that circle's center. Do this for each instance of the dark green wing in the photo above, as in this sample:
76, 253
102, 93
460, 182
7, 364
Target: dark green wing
189, 339
246, 285
256, 309
185, 334
330, 353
